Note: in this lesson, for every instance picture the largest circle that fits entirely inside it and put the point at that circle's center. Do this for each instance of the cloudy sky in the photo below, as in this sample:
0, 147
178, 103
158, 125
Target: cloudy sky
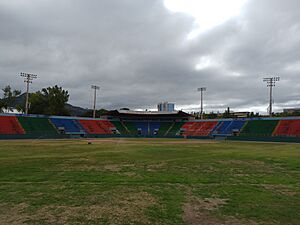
141, 52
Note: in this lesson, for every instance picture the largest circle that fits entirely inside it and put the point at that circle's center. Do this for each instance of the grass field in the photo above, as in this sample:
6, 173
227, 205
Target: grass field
149, 181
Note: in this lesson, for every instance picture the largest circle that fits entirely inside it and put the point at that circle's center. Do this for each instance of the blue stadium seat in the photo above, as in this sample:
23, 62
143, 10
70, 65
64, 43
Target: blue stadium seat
147, 128
69, 125
235, 125
221, 127
143, 127
227, 127
154, 126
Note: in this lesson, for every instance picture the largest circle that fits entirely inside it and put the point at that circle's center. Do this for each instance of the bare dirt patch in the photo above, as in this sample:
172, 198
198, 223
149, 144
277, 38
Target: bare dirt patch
212, 203
113, 167
131, 174
202, 212
158, 166
243, 162
129, 208
280, 189
255, 164
13, 215
92, 165
121, 208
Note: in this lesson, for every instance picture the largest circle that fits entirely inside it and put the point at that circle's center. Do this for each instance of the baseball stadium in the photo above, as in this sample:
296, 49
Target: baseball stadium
132, 167
150, 112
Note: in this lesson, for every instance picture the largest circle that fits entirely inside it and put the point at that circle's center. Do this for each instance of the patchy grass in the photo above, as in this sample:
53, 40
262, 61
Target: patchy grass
149, 181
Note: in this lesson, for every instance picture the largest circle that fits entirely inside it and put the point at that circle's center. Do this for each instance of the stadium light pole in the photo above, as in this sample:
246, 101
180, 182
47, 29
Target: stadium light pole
28, 77
271, 81
95, 90
201, 103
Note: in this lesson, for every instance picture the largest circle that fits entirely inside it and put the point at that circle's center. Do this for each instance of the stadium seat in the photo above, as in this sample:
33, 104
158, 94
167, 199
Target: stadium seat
69, 125
143, 127
36, 125
233, 126
221, 127
130, 126
175, 129
154, 128
290, 128
199, 128
120, 127
97, 126
10, 125
164, 128
259, 128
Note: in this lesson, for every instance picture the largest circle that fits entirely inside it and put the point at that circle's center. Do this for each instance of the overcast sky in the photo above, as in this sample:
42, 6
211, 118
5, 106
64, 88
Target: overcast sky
141, 52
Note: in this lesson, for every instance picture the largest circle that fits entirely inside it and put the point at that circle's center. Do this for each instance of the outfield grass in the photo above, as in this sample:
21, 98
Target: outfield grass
148, 181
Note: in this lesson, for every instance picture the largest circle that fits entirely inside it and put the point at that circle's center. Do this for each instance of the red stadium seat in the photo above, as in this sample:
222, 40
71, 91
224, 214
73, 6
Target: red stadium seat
10, 125
97, 126
289, 128
199, 128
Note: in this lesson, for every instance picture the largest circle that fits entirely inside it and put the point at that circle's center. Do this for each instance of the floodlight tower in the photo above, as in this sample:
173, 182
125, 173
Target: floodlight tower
271, 81
95, 90
201, 90
28, 77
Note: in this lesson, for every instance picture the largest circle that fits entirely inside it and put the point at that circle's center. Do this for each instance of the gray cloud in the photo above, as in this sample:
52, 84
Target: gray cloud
137, 51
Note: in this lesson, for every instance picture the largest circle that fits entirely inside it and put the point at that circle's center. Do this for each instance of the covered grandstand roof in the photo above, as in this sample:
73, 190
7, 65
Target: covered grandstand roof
140, 115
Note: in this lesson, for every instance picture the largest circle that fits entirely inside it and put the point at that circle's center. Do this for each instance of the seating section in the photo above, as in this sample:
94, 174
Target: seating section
154, 128
236, 125
107, 125
97, 126
221, 127
32, 127
10, 125
131, 128
175, 128
199, 128
120, 127
147, 128
142, 127
69, 125
191, 128
259, 128
40, 126
228, 127
164, 127
288, 128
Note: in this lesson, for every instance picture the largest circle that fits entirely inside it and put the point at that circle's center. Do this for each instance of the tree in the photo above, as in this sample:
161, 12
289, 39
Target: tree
99, 113
9, 97
49, 101
211, 115
226, 114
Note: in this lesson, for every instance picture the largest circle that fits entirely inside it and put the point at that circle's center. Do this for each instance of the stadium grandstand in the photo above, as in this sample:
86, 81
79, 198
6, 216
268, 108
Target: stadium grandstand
128, 115
126, 123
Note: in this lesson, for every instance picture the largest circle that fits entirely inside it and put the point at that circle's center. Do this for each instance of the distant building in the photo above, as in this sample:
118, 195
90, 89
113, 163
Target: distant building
240, 114
166, 107
292, 110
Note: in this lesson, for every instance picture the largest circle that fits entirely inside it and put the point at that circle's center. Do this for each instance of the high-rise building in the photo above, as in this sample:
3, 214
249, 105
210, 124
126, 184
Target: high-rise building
166, 107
